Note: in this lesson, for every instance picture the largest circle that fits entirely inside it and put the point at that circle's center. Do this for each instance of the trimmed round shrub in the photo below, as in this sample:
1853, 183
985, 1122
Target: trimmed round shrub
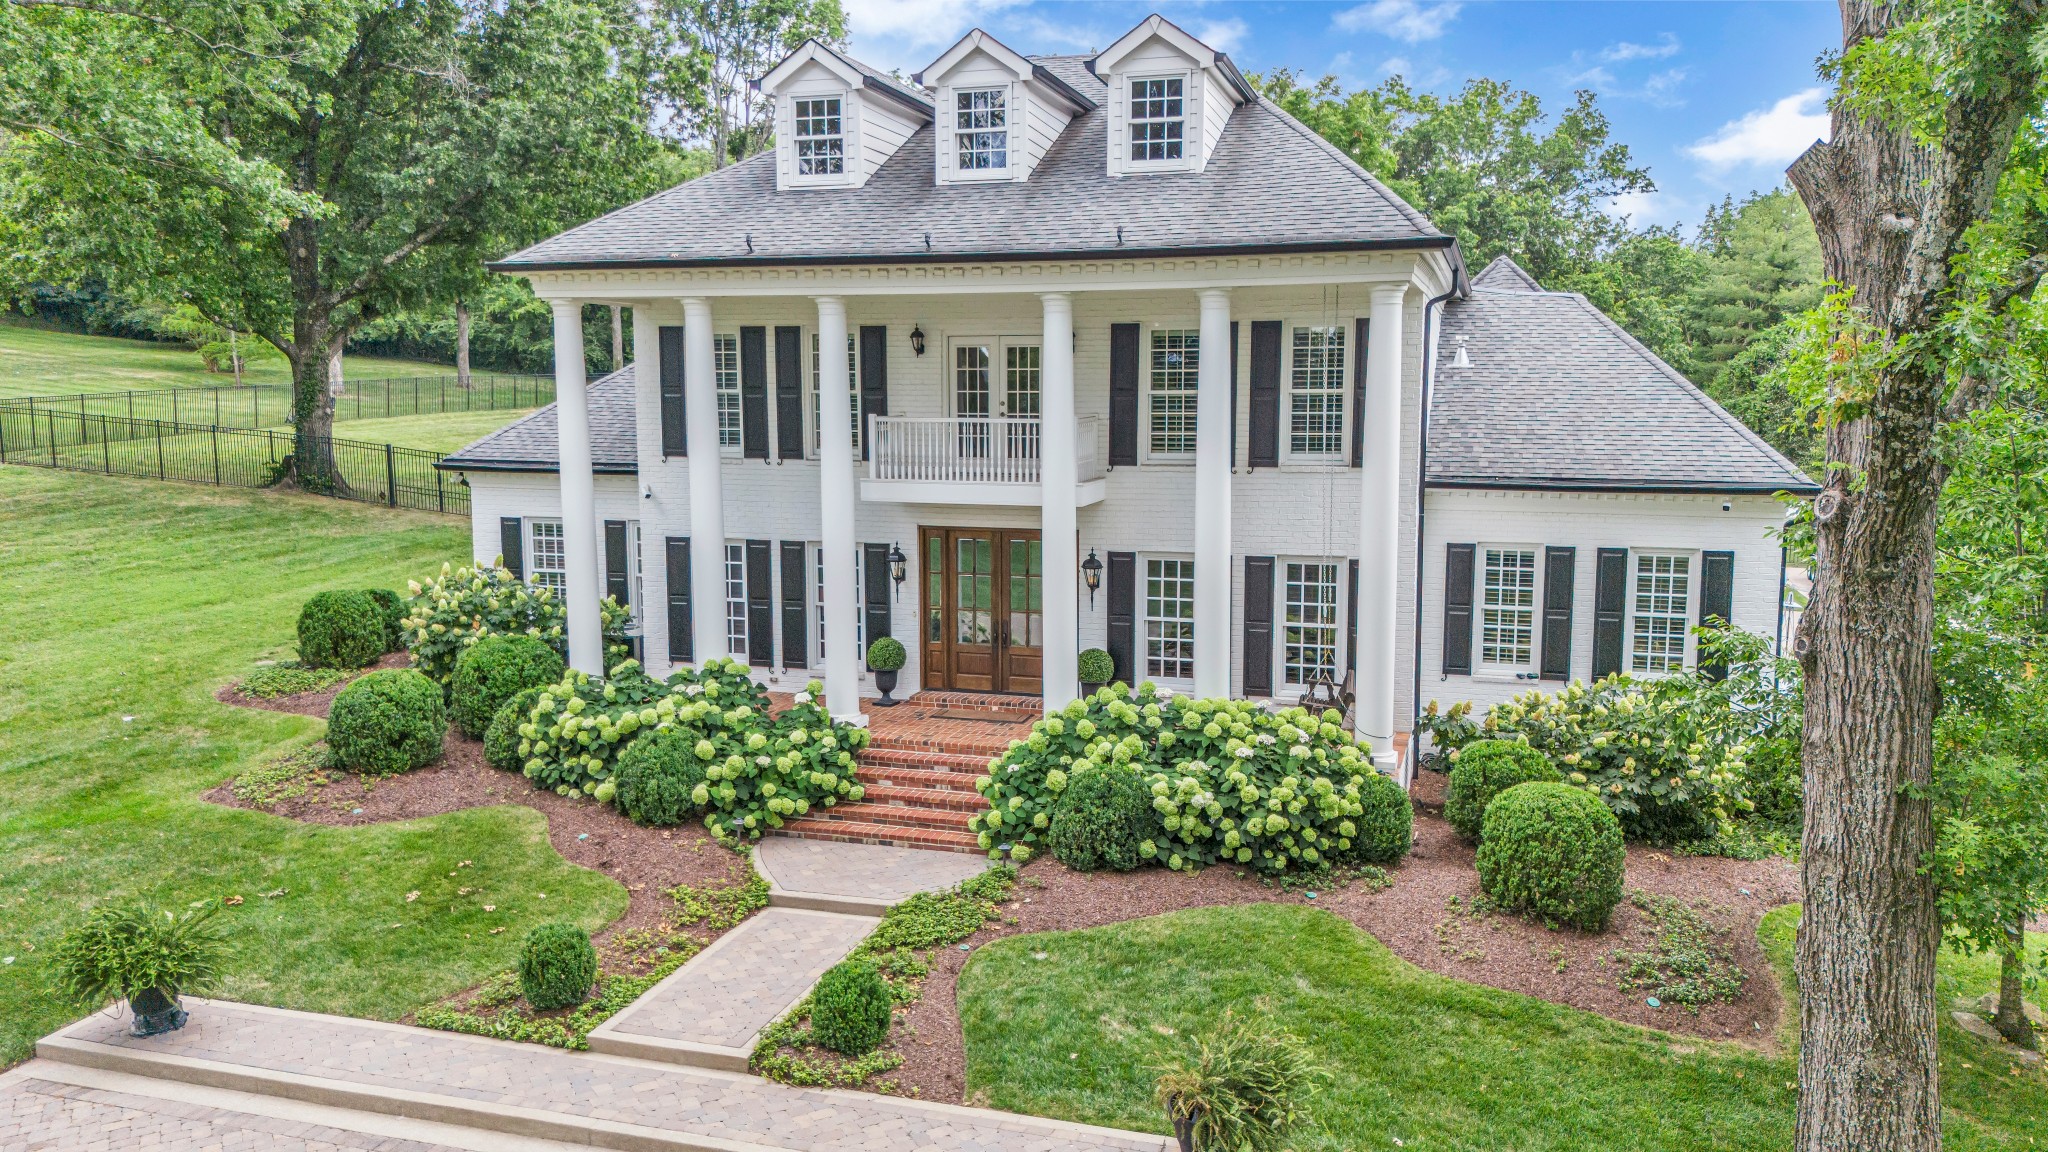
492, 671
340, 630
1554, 851
1102, 820
660, 779
1385, 830
387, 722
1484, 770
1096, 666
557, 966
501, 739
886, 654
850, 1010
392, 610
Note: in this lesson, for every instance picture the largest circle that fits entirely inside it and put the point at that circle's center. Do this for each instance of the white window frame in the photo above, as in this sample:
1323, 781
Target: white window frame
1176, 630
817, 390
555, 575
736, 605
833, 169
1683, 617
1301, 369
1154, 394
967, 139
725, 375
860, 616
1188, 144
1515, 582
1329, 633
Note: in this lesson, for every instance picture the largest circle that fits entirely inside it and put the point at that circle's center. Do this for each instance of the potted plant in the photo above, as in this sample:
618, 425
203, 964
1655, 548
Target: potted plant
1096, 670
1242, 1088
146, 955
885, 658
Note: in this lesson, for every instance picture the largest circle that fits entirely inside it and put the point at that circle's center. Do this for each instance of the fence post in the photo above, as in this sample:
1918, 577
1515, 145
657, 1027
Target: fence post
440, 493
216, 455
53, 437
390, 476
216, 407
159, 448
106, 453
174, 404
3, 438
131, 405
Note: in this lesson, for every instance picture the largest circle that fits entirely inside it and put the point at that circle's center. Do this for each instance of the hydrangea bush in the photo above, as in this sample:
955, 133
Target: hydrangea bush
1230, 781
449, 613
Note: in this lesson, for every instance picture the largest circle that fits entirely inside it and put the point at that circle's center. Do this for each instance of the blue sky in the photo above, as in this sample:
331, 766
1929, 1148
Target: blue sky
1714, 97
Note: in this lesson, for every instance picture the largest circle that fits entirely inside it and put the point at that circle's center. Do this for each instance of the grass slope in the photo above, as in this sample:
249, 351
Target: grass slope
437, 433
38, 361
127, 603
1431, 1062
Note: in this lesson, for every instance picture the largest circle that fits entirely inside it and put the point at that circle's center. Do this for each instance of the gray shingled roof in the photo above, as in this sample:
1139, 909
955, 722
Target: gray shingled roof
532, 443
1271, 184
1559, 396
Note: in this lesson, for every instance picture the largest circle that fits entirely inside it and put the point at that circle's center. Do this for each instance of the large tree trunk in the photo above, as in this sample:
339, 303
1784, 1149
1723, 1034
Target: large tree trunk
2011, 1018
461, 344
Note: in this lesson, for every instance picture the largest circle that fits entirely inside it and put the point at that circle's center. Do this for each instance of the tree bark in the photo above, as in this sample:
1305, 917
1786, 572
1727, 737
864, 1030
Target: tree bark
2011, 1018
461, 345
618, 339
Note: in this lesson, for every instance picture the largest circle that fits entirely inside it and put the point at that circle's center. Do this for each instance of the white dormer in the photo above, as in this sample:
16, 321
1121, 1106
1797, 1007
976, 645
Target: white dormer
1170, 96
995, 112
835, 120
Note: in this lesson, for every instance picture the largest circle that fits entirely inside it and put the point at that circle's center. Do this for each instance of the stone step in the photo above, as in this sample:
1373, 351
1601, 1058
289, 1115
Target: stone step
862, 832
942, 799
890, 776
862, 879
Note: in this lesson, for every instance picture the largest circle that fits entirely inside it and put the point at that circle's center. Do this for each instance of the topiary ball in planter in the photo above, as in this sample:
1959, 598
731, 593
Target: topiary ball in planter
387, 722
1096, 668
886, 657
1385, 830
850, 1010
1554, 851
1101, 819
1484, 770
659, 777
392, 610
492, 671
340, 630
501, 739
557, 966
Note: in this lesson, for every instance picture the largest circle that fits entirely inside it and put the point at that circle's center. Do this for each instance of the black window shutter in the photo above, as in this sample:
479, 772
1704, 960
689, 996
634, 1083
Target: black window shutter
760, 603
679, 647
675, 429
754, 392
1358, 347
1458, 608
874, 379
1258, 625
512, 546
1265, 388
1610, 605
618, 572
1351, 622
1123, 394
796, 583
1123, 615
1233, 395
1560, 571
1717, 599
789, 392
874, 567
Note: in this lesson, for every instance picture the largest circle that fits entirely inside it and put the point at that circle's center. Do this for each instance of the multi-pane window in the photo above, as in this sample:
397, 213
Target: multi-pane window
1170, 618
853, 393
1311, 627
1315, 385
1658, 621
1170, 408
725, 369
1157, 119
549, 563
1507, 608
981, 129
820, 143
736, 599
860, 624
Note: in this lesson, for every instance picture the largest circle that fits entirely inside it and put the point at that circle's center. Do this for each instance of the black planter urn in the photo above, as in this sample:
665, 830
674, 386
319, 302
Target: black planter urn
1090, 688
886, 681
156, 1011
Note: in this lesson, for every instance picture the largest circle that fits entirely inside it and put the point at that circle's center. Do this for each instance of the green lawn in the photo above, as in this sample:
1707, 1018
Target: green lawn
37, 361
437, 433
127, 603
1431, 1062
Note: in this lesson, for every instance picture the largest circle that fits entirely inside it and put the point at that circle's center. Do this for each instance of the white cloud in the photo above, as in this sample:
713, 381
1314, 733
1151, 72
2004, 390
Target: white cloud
1773, 135
1643, 209
907, 34
1222, 35
1406, 20
1665, 47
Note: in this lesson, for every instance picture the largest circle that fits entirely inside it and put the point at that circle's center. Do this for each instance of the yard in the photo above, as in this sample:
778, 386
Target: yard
39, 361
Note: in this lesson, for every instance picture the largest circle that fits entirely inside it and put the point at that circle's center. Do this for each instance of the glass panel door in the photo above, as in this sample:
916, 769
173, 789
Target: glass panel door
1020, 398
975, 619
1024, 592
973, 361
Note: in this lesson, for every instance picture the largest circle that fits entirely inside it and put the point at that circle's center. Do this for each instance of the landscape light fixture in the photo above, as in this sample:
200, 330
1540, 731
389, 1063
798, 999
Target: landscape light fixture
896, 562
1091, 575
917, 340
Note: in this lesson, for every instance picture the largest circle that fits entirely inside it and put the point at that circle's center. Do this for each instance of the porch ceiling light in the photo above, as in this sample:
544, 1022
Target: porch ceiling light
1091, 575
917, 340
896, 562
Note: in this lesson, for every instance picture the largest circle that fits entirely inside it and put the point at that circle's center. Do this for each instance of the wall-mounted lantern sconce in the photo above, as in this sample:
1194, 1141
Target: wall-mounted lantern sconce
917, 340
896, 562
1091, 575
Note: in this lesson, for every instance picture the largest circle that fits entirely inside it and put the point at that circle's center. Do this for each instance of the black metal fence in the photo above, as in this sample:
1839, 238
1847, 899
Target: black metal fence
227, 457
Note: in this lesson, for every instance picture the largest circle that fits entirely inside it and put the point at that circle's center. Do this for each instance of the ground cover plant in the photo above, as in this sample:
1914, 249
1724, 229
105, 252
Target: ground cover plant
101, 776
1687, 964
290, 679
627, 967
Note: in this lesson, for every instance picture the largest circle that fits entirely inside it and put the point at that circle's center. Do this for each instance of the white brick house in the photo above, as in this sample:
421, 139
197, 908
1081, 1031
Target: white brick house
1031, 284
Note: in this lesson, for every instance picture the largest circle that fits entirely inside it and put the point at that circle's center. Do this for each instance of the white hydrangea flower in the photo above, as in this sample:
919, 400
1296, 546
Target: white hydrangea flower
803, 697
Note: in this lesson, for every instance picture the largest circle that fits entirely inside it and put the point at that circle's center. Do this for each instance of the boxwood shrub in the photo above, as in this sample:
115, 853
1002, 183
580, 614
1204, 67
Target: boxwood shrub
391, 610
557, 966
1484, 770
1386, 822
1554, 851
387, 722
1102, 819
492, 671
660, 780
501, 739
851, 1008
340, 630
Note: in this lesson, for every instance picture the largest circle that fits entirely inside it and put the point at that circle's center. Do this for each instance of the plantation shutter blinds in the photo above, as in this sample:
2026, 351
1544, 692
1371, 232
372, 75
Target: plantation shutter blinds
1233, 395
874, 378
1351, 621
512, 546
754, 392
1560, 568
760, 584
1265, 389
1364, 329
1458, 608
618, 571
1123, 394
796, 632
675, 431
1610, 608
789, 392
1717, 599
874, 567
1123, 615
1258, 625
680, 649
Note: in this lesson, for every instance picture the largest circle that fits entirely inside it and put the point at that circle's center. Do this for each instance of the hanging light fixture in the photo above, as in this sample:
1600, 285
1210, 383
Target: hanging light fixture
1091, 575
917, 340
897, 560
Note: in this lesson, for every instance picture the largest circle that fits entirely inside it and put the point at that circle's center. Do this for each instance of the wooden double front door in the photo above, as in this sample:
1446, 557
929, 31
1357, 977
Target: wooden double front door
984, 627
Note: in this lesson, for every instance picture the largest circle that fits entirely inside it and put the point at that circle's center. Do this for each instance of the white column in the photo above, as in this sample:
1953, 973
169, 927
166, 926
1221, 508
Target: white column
843, 657
1057, 469
1379, 521
579, 492
653, 551
1212, 497
707, 486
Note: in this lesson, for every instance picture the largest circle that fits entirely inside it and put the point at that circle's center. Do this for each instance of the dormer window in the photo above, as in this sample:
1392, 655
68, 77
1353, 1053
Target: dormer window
820, 137
981, 129
1158, 118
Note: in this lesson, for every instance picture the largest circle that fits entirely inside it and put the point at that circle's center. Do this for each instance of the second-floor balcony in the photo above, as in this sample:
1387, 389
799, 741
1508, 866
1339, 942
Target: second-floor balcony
971, 460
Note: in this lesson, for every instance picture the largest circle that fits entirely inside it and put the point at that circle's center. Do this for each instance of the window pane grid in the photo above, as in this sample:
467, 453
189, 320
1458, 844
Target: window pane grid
1507, 611
820, 146
736, 599
1156, 119
725, 369
1316, 387
981, 128
550, 564
1175, 364
1170, 618
852, 394
1663, 587
860, 624
1311, 623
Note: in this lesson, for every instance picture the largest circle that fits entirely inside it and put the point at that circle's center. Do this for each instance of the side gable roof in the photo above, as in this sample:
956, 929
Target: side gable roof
533, 443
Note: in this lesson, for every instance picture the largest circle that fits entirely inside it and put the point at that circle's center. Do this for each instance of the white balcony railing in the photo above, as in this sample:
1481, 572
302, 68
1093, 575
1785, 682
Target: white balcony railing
971, 450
